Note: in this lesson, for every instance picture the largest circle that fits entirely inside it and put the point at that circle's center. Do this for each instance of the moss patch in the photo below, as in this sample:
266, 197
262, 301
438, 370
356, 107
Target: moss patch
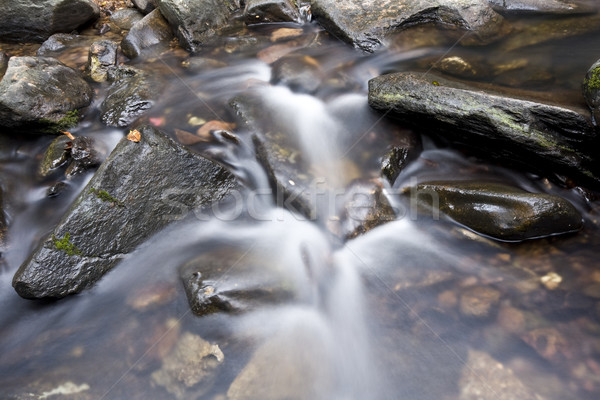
70, 119
105, 196
65, 245
593, 81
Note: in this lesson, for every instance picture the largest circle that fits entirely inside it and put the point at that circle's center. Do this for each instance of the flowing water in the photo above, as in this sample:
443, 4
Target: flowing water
392, 314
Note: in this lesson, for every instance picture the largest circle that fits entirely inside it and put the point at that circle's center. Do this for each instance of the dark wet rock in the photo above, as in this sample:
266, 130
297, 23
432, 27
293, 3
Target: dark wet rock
67, 48
28, 21
191, 368
541, 6
551, 30
484, 378
366, 25
398, 157
281, 367
55, 156
261, 11
86, 153
194, 22
41, 93
152, 30
144, 6
199, 64
498, 210
126, 18
365, 206
138, 190
591, 90
543, 137
458, 66
132, 93
57, 189
479, 302
217, 281
3, 63
56, 43
299, 73
102, 56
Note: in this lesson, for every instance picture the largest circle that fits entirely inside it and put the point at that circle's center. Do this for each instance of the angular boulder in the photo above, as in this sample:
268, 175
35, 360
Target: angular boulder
497, 210
139, 189
195, 21
366, 24
591, 90
263, 11
125, 18
41, 93
35, 21
144, 6
546, 138
152, 30
101, 57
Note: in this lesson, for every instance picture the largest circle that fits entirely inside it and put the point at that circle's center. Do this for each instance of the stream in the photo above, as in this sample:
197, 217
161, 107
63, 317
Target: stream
416, 308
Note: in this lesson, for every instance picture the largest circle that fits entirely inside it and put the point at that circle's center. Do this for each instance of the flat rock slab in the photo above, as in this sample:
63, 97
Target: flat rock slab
541, 6
544, 137
497, 210
41, 93
35, 21
365, 24
138, 190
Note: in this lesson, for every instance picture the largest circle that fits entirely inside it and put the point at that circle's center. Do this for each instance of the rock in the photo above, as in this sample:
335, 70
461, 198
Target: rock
262, 11
541, 6
298, 72
71, 50
484, 378
367, 25
27, 21
212, 285
190, 370
398, 157
55, 156
591, 90
543, 137
56, 43
3, 226
196, 21
364, 207
3, 63
86, 153
132, 93
56, 189
458, 66
152, 30
126, 18
293, 365
500, 211
144, 6
40, 93
199, 64
138, 190
102, 56
479, 302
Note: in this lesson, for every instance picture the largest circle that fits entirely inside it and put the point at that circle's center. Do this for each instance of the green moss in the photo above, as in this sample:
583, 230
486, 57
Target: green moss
593, 82
105, 196
70, 119
65, 245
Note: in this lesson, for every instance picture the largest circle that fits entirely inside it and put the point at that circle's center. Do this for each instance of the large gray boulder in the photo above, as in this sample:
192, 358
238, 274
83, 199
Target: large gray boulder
35, 21
41, 93
195, 21
544, 137
497, 210
140, 188
366, 24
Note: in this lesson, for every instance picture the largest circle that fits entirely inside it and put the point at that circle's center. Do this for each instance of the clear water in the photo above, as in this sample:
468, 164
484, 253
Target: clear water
381, 316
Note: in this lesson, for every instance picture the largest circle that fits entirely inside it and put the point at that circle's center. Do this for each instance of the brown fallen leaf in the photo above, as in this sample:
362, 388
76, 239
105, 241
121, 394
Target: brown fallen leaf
187, 138
214, 125
134, 136
285, 33
69, 134
275, 52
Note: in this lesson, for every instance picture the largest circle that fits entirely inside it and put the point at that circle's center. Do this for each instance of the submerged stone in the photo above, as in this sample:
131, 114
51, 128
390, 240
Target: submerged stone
194, 22
591, 90
41, 94
262, 11
497, 210
139, 189
366, 24
35, 21
542, 137
300, 73
152, 30
3, 63
55, 156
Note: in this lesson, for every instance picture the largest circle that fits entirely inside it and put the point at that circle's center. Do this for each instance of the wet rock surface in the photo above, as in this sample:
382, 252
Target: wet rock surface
131, 94
126, 18
194, 22
591, 90
151, 31
55, 156
138, 190
538, 135
25, 21
102, 56
41, 94
497, 210
3, 63
541, 6
300, 73
263, 11
366, 25
145, 6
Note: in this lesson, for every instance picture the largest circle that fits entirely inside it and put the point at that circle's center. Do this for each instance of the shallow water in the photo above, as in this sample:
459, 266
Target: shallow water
390, 314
